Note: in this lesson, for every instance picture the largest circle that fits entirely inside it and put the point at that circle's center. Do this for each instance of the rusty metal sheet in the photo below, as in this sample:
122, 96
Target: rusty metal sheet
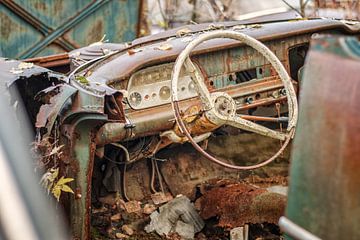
50, 111
325, 185
237, 204
53, 62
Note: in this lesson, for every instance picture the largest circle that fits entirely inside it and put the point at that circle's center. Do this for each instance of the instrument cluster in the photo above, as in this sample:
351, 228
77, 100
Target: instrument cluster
151, 87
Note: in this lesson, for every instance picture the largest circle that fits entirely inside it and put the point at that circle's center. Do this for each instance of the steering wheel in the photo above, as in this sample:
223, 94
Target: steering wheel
220, 107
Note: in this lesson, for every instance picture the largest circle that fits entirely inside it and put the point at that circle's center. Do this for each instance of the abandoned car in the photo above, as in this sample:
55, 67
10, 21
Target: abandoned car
164, 114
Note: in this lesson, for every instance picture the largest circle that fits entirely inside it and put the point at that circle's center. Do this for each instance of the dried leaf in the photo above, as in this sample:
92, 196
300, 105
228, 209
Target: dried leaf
66, 188
63, 180
183, 32
239, 27
25, 65
61, 186
255, 26
213, 26
133, 51
164, 47
56, 192
56, 150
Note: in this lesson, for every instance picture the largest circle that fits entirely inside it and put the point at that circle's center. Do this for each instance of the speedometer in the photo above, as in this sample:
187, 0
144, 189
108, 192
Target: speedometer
135, 99
164, 93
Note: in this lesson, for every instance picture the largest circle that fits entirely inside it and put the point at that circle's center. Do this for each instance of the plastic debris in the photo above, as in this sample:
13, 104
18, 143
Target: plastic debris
179, 216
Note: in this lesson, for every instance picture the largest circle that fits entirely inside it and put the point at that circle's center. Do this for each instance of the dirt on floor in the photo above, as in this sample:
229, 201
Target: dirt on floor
223, 205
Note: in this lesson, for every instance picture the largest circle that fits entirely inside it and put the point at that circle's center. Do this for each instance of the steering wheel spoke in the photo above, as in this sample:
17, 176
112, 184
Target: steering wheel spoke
250, 126
199, 83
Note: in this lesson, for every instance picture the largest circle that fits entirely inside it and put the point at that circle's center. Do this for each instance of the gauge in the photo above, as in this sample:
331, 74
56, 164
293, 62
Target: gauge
164, 93
191, 87
135, 99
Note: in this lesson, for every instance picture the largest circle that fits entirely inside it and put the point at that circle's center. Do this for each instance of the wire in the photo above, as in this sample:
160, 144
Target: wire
127, 159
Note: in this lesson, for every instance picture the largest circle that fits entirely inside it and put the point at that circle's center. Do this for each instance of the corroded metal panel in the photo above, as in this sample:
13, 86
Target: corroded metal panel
42, 27
325, 185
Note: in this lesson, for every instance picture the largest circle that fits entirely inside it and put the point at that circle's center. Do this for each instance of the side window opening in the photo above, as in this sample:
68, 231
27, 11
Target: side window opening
296, 59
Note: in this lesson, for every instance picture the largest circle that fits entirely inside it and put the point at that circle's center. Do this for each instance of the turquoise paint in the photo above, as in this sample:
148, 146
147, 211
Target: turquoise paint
15, 33
117, 19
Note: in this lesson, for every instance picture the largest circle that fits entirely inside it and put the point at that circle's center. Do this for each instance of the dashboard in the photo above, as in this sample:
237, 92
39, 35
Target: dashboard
242, 71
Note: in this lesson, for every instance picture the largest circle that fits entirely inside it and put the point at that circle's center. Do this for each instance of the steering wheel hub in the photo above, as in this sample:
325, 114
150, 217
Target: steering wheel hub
224, 104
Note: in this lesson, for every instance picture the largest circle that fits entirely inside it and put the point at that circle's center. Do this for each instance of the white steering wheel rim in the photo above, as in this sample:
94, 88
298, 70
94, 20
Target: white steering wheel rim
252, 42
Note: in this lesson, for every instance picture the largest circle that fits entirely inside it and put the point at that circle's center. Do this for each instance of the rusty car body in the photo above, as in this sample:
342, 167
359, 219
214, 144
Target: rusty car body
119, 105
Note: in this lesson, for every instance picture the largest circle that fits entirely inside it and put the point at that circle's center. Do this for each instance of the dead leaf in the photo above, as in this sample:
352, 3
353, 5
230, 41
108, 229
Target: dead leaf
255, 26
239, 27
25, 65
66, 188
164, 47
61, 186
116, 217
133, 51
183, 32
127, 229
63, 180
56, 150
57, 193
149, 208
213, 26
121, 236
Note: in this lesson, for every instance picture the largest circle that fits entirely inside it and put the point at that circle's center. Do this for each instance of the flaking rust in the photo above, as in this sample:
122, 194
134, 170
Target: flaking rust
238, 204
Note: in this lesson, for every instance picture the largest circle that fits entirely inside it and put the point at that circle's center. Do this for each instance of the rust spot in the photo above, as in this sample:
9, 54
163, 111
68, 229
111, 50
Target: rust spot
58, 6
6, 26
96, 32
40, 6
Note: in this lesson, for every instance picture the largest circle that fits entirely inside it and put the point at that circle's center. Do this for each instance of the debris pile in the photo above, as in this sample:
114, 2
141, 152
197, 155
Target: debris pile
223, 209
